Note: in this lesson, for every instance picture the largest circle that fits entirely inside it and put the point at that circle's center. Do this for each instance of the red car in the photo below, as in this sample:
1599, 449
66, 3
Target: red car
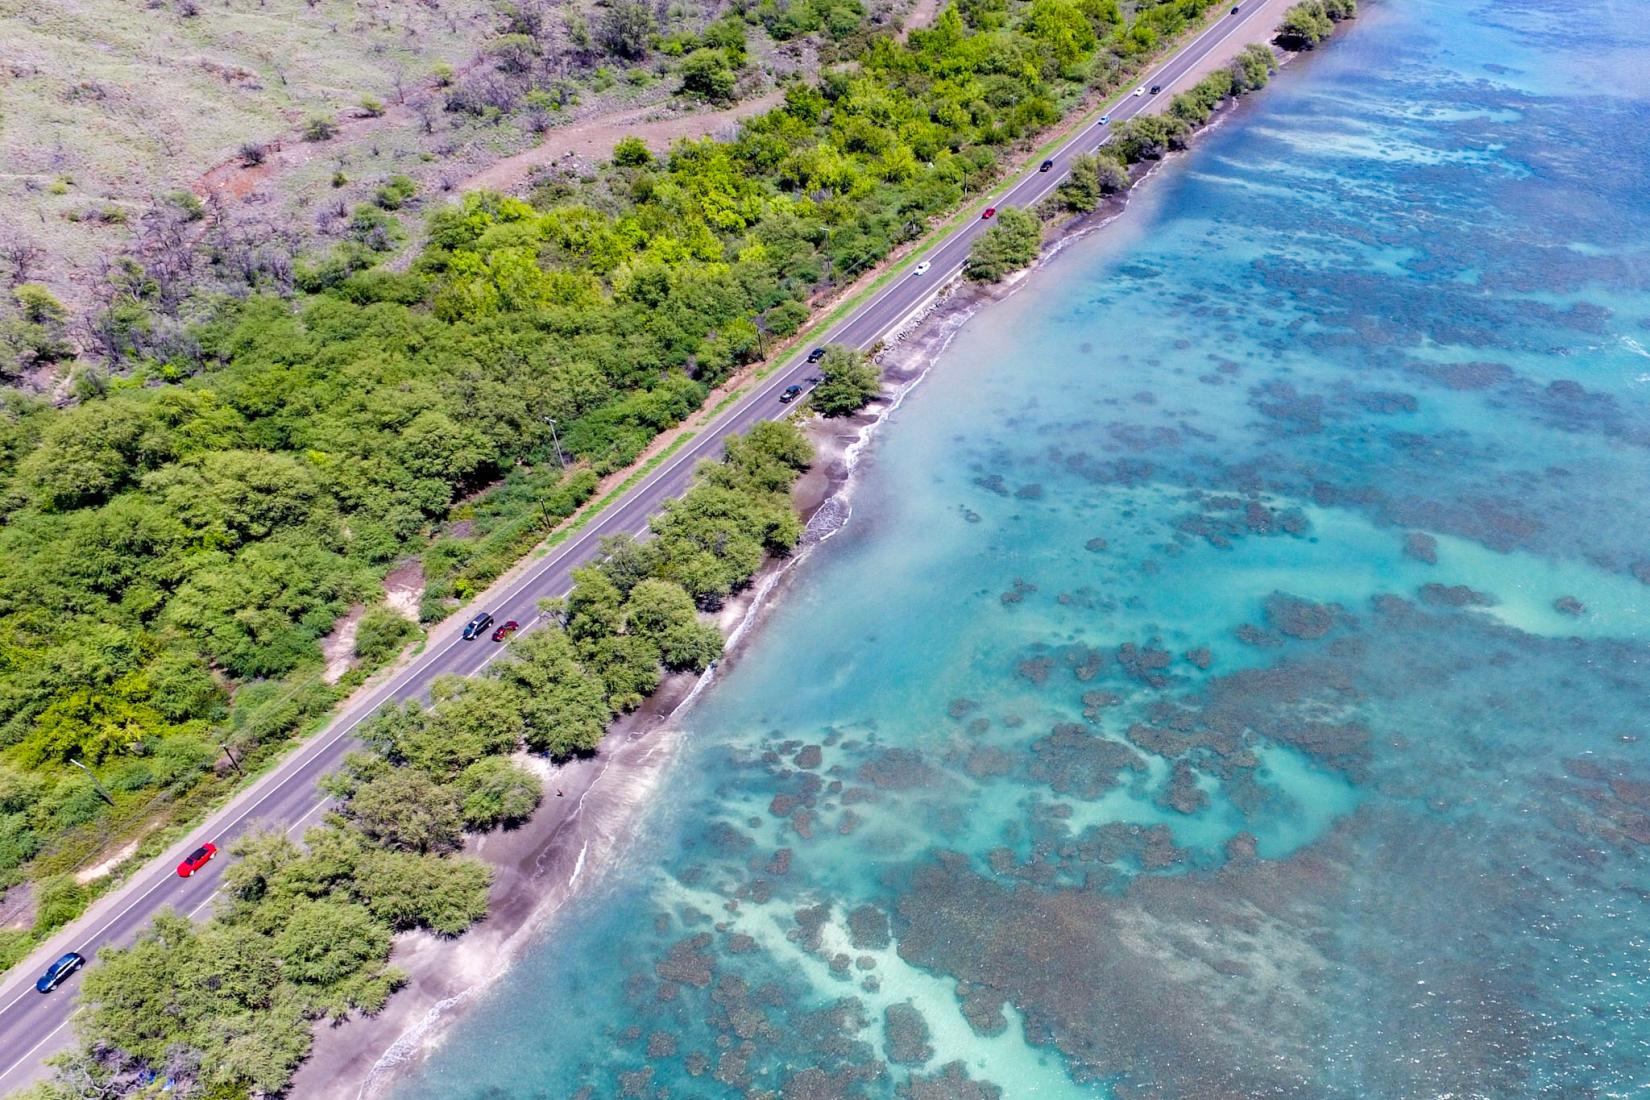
506, 630
197, 859
989, 211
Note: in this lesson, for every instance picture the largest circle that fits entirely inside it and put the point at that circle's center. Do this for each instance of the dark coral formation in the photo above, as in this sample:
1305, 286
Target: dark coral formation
1075, 762
1454, 595
1297, 618
1421, 547
951, 1083
907, 1035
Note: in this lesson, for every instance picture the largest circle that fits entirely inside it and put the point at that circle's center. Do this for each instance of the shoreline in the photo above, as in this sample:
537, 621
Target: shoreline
587, 819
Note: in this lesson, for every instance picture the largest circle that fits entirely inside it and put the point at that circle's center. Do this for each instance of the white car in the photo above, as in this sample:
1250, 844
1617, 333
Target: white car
1104, 119
922, 268
1140, 91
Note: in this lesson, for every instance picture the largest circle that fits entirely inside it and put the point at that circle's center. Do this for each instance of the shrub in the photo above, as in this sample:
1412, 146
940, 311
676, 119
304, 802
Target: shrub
626, 29
381, 634
320, 128
394, 192
707, 75
632, 152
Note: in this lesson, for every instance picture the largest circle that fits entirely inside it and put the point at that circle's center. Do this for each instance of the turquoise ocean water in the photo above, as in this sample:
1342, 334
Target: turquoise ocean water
1233, 680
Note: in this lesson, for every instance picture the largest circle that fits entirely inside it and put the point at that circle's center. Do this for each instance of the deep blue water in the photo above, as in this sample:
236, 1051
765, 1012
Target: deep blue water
1233, 680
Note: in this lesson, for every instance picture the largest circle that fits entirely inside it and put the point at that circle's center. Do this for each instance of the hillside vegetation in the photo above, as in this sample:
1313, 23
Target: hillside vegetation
175, 544
282, 114
225, 1009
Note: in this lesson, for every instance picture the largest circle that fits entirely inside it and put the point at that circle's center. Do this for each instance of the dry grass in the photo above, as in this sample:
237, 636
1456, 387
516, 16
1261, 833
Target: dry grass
109, 102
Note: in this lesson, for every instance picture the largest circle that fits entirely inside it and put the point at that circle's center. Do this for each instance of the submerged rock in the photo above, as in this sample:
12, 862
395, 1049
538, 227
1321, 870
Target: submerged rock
1454, 595
1421, 547
1569, 605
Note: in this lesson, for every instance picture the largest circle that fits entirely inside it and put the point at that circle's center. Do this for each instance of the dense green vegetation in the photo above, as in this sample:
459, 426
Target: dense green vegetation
225, 1009
1311, 21
1010, 244
1148, 137
33, 330
848, 381
173, 546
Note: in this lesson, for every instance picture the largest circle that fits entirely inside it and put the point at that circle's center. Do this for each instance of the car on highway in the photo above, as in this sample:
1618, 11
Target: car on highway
58, 972
792, 392
989, 212
922, 268
1138, 92
1045, 166
509, 627
1234, 11
1156, 88
816, 355
1104, 119
197, 859
473, 628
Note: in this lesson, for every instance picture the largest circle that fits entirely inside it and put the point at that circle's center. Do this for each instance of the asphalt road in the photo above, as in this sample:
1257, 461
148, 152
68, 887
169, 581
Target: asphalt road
33, 1026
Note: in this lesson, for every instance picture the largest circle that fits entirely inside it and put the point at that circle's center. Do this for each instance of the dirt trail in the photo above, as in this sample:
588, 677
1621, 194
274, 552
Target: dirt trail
921, 14
593, 139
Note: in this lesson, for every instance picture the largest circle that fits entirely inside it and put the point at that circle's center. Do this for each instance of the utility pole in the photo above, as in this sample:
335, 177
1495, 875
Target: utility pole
561, 460
103, 794
224, 745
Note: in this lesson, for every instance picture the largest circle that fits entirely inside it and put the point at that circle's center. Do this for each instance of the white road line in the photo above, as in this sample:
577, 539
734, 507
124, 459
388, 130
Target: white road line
49, 1036
313, 810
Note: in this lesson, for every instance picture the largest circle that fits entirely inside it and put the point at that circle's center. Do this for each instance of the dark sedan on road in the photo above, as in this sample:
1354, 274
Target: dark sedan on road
58, 972
791, 393
816, 355
473, 628
1045, 166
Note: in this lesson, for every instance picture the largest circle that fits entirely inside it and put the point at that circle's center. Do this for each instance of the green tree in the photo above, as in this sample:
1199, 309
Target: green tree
495, 791
664, 614
328, 942
848, 382
1007, 246
397, 807
409, 890
1304, 26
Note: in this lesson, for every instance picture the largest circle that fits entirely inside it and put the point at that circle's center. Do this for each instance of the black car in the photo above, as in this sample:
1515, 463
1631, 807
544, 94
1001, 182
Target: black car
1156, 88
1234, 11
474, 628
791, 394
816, 355
1046, 165
58, 972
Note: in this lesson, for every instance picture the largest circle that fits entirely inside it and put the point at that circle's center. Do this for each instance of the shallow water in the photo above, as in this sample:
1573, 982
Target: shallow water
1232, 680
